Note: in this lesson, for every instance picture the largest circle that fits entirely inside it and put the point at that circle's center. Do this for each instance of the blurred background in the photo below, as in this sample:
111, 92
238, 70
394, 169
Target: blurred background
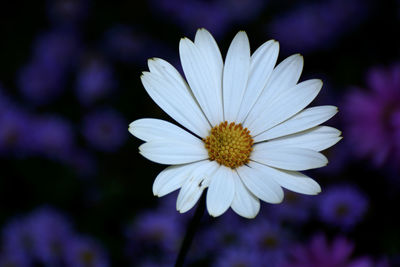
75, 191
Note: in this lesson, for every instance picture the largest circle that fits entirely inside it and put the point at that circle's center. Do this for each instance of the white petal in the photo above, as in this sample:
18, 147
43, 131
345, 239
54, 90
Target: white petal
293, 181
189, 195
236, 74
283, 77
220, 191
285, 105
288, 158
205, 42
155, 129
194, 185
174, 78
261, 185
203, 79
173, 152
177, 102
244, 202
303, 120
261, 65
173, 178
317, 138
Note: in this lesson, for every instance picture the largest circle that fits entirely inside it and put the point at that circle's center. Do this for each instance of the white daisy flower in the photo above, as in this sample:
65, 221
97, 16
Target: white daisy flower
247, 133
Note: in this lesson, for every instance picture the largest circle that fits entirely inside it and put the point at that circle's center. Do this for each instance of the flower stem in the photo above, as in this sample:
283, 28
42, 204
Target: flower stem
190, 231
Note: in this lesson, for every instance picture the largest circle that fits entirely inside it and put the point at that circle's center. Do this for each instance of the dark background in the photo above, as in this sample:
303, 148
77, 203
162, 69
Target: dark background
102, 202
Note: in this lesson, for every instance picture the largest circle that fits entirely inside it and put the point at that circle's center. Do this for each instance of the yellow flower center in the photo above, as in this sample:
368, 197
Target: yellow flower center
229, 144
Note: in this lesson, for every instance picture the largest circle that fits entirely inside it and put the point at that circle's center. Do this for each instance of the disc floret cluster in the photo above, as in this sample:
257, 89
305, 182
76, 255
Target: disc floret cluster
229, 144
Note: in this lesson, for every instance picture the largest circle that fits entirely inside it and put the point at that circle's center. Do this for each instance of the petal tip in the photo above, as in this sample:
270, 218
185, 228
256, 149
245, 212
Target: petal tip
317, 190
251, 217
241, 34
144, 74
336, 110
278, 201
131, 130
212, 214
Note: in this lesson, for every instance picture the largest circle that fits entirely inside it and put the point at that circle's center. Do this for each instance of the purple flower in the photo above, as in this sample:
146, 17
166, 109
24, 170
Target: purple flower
342, 206
95, 81
217, 16
340, 156
129, 45
14, 259
223, 234
40, 237
85, 252
239, 257
15, 126
318, 252
40, 83
243, 11
43, 79
45, 237
17, 238
124, 45
268, 239
168, 205
373, 117
294, 208
67, 12
53, 137
194, 14
316, 25
263, 235
155, 232
5, 101
105, 130
50, 232
57, 49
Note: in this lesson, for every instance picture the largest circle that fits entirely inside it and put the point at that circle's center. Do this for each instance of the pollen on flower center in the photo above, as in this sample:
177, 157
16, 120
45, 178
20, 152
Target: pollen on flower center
229, 144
